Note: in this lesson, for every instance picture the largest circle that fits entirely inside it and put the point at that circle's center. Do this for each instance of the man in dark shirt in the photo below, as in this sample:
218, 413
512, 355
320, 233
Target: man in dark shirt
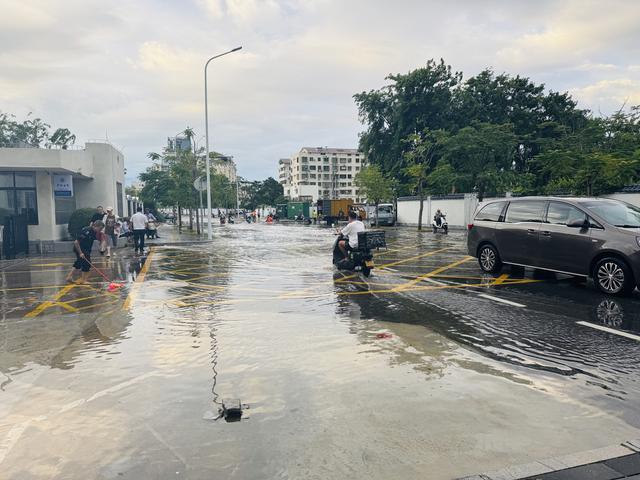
82, 248
101, 237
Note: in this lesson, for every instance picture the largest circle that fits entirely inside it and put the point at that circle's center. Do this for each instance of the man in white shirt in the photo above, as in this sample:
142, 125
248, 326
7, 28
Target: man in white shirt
351, 232
139, 223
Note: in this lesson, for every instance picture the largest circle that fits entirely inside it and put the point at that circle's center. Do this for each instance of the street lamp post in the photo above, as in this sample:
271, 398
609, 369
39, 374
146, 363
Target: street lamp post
206, 130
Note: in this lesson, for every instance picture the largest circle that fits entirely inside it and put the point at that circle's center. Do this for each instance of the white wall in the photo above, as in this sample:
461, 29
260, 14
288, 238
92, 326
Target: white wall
458, 210
632, 198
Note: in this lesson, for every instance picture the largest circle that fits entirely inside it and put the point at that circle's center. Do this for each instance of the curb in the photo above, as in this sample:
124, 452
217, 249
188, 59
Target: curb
556, 464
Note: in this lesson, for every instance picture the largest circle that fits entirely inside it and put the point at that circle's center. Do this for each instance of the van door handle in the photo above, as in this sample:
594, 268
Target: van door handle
531, 230
546, 233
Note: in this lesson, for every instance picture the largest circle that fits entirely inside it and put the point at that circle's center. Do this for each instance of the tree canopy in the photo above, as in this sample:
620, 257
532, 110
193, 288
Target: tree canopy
492, 133
32, 132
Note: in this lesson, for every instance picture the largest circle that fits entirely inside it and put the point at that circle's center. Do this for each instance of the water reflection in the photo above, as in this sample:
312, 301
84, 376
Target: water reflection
611, 313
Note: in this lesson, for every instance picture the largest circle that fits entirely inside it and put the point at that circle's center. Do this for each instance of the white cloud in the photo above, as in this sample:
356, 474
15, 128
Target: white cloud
134, 69
609, 95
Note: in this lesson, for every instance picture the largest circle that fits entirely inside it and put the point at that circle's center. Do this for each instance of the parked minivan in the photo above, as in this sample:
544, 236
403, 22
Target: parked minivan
582, 237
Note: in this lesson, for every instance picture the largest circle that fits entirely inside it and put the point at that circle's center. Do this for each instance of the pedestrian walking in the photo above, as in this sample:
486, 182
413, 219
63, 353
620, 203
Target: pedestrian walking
102, 239
152, 224
139, 223
110, 226
82, 248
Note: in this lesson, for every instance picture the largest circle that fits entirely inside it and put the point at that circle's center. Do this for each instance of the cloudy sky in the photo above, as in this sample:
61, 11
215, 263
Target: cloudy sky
132, 70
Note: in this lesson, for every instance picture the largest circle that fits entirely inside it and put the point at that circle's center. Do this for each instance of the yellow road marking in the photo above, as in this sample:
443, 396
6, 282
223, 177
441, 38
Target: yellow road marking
54, 302
419, 278
139, 279
500, 280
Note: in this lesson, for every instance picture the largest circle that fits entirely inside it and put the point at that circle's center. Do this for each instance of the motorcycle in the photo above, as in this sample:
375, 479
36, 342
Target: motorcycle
442, 225
360, 259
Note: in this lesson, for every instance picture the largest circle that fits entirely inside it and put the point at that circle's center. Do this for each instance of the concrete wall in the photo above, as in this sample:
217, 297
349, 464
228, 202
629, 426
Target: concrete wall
29, 159
459, 211
108, 168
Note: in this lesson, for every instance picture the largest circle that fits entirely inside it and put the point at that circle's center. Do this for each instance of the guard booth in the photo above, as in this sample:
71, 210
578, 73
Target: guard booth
15, 236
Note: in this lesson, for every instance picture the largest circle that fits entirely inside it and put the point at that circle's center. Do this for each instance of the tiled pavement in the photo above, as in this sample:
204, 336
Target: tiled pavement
610, 463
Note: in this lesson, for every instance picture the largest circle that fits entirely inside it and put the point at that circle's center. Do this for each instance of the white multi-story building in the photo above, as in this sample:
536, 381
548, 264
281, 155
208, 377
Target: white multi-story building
284, 171
323, 173
227, 167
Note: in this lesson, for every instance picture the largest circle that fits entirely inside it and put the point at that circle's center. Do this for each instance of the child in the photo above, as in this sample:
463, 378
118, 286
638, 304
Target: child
82, 248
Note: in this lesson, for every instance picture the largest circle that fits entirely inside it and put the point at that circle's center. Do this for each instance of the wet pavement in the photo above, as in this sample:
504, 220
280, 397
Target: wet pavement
427, 369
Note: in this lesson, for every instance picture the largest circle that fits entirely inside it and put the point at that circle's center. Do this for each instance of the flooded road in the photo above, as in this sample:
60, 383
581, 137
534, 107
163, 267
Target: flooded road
427, 369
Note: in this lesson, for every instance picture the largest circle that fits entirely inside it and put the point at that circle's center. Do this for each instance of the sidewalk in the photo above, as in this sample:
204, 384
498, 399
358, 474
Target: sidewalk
609, 463
169, 235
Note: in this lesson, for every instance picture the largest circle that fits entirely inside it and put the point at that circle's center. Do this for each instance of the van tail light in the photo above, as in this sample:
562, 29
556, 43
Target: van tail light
469, 226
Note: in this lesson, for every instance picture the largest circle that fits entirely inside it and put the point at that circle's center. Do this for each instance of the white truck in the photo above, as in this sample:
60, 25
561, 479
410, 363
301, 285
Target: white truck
386, 215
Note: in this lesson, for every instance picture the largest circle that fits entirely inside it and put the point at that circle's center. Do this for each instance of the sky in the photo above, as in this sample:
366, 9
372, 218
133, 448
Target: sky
132, 71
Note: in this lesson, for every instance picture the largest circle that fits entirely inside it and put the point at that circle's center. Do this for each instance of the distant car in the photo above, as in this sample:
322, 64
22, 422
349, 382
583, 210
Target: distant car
386, 215
582, 237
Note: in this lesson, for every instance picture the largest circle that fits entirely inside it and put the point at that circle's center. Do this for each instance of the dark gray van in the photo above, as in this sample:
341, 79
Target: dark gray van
583, 237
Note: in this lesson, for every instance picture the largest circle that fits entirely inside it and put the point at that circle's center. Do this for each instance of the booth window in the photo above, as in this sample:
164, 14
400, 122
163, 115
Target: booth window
65, 206
18, 196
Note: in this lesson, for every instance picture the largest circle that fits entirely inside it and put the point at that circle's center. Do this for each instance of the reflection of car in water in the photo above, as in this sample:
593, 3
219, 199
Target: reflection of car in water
583, 237
611, 313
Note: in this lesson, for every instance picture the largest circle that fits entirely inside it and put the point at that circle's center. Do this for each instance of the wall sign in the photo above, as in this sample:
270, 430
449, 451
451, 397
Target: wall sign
62, 185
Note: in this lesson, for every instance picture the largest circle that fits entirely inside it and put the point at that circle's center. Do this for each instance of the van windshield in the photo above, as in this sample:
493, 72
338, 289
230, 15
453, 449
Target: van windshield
616, 213
386, 209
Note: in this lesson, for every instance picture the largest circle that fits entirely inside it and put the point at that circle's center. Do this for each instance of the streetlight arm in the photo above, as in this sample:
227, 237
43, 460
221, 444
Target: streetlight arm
206, 131
220, 55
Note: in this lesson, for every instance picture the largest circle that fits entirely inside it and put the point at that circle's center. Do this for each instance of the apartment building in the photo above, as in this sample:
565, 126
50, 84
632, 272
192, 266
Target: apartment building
284, 171
320, 172
223, 165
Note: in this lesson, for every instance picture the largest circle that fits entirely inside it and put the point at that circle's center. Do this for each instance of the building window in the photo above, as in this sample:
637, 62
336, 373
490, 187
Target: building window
18, 196
312, 167
119, 194
65, 206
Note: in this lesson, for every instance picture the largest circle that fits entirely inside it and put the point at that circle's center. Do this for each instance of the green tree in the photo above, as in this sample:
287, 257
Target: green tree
414, 102
424, 151
479, 153
374, 185
62, 138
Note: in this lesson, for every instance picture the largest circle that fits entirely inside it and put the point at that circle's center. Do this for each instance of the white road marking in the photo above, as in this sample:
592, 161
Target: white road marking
17, 430
12, 438
501, 300
610, 330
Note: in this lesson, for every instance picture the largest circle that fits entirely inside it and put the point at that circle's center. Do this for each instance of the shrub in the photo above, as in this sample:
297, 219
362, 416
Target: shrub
79, 219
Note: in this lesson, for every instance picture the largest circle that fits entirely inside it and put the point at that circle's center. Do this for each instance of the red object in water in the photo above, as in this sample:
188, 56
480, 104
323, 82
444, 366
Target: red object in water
384, 335
114, 286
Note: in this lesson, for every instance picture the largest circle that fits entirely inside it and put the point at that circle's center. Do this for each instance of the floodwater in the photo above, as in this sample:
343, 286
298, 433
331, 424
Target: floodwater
411, 373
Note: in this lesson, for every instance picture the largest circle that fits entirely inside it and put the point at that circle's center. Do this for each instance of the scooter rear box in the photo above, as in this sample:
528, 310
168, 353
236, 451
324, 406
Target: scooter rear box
372, 239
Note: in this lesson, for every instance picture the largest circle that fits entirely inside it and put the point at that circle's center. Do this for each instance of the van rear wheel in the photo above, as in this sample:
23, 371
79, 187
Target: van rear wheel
489, 259
613, 277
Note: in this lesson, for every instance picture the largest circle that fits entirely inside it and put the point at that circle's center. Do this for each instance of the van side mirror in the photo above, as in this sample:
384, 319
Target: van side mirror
584, 223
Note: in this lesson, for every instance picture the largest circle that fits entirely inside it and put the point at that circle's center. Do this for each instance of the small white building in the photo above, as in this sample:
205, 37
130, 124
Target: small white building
47, 185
